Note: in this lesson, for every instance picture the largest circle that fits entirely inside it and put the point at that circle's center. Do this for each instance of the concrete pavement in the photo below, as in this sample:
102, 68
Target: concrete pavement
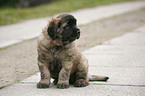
122, 59
15, 33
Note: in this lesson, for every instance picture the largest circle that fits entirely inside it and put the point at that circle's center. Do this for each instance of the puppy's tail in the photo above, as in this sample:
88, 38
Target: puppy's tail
97, 78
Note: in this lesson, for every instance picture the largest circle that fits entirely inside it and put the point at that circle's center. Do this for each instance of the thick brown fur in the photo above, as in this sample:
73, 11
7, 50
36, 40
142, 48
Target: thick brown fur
58, 57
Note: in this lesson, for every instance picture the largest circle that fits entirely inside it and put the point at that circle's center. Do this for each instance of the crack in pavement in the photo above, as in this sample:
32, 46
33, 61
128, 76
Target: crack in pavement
118, 84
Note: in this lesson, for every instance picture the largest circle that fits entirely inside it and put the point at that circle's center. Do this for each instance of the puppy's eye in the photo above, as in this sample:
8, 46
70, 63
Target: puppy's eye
66, 27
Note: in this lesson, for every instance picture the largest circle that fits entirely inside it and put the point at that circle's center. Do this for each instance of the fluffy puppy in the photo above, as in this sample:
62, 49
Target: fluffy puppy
58, 57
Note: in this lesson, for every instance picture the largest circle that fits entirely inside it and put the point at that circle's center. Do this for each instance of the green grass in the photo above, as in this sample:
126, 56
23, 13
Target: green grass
14, 15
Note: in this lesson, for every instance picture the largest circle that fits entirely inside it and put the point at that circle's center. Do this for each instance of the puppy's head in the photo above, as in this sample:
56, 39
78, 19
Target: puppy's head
64, 29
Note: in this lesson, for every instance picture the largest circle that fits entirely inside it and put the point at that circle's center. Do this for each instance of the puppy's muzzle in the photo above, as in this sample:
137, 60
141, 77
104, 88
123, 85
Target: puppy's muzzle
78, 33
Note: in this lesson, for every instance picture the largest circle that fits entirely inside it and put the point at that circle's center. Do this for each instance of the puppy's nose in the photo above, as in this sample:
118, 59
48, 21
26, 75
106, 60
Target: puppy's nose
78, 31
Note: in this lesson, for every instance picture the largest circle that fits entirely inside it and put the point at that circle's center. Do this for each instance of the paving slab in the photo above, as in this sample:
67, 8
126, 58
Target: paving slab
127, 50
117, 56
91, 90
15, 33
122, 59
129, 76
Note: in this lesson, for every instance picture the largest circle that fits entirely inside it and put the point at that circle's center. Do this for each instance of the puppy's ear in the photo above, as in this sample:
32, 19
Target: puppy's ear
54, 24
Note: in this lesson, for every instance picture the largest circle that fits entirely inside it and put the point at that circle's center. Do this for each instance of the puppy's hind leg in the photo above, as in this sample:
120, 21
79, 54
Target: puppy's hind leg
55, 81
82, 74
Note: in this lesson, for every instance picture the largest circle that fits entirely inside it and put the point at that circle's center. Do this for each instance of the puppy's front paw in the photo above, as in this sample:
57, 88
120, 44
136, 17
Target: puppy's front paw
62, 86
42, 85
80, 83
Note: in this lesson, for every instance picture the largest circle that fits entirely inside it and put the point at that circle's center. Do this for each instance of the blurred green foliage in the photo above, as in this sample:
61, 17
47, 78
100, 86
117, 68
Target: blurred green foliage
22, 3
8, 3
10, 15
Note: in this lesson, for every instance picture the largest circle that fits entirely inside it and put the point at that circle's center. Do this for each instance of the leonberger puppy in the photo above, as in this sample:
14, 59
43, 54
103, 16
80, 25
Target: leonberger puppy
59, 58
